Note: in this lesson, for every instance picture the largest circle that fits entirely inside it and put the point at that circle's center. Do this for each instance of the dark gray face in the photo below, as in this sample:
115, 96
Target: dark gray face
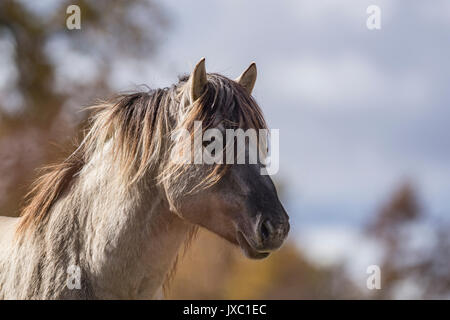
264, 224
243, 207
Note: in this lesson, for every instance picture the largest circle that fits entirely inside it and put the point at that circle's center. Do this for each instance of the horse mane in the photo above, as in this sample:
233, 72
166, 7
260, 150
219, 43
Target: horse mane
139, 125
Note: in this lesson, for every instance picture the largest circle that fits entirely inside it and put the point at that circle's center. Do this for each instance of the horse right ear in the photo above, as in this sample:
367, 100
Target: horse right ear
197, 80
248, 78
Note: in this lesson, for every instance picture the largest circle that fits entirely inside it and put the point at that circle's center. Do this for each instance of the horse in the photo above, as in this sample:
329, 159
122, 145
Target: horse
109, 221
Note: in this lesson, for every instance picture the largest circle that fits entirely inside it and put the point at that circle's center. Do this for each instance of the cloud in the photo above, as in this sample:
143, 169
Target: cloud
328, 246
349, 81
438, 13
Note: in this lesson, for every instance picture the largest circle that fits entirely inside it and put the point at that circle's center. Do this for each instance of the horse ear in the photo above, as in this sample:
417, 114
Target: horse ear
198, 80
248, 78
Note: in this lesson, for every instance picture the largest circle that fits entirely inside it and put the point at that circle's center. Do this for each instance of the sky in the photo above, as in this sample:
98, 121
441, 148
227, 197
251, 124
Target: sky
359, 111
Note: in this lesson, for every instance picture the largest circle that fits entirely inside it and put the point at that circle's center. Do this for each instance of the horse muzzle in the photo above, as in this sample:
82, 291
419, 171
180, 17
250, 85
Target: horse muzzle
267, 235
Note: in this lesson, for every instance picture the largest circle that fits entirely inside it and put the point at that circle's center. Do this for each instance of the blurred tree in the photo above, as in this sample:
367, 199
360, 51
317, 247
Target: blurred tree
421, 269
402, 208
37, 100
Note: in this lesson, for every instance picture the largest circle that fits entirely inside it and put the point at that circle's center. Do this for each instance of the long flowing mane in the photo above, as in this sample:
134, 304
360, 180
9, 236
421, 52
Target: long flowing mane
138, 127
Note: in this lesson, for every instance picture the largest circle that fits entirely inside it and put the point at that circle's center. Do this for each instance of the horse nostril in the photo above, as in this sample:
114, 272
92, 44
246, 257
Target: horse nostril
266, 229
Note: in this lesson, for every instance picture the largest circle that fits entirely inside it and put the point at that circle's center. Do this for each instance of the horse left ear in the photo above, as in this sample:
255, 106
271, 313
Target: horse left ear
248, 78
198, 80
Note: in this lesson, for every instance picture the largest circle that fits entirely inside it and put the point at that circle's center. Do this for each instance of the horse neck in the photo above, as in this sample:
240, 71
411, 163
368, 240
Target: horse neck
129, 239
